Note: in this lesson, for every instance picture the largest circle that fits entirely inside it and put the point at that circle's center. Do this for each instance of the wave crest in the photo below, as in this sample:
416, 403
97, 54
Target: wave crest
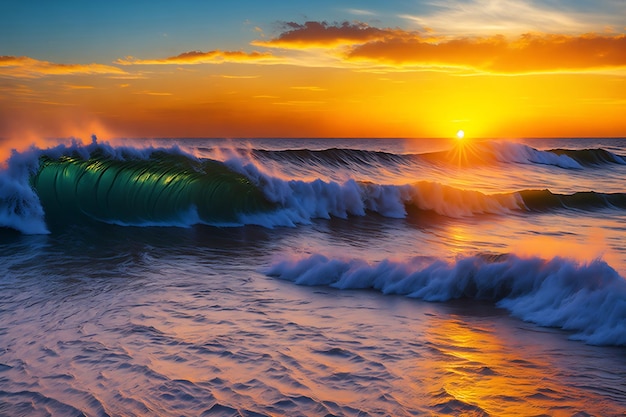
587, 299
509, 152
20, 208
163, 188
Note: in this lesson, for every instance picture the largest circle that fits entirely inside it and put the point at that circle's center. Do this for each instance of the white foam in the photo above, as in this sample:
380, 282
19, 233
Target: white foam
302, 201
523, 154
20, 208
588, 299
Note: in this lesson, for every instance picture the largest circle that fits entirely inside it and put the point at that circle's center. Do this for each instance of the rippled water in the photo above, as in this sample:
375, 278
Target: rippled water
121, 323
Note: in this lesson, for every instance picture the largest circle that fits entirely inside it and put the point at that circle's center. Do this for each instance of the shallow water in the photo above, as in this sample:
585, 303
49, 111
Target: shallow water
102, 319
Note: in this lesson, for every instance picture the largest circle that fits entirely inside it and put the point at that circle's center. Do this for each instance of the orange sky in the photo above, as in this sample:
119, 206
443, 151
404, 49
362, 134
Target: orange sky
318, 79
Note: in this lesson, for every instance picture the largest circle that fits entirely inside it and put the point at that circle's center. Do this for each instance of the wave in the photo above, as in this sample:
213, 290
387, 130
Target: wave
334, 157
122, 185
591, 157
585, 299
163, 188
301, 201
493, 152
544, 200
20, 208
465, 154
170, 187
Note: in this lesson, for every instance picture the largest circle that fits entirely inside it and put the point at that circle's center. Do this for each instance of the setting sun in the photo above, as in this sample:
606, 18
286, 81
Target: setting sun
460, 134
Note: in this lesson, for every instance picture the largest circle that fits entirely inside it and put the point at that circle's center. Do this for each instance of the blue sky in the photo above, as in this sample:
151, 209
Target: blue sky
104, 31
89, 31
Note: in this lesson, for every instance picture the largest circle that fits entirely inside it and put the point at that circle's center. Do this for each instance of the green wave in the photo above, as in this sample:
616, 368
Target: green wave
164, 188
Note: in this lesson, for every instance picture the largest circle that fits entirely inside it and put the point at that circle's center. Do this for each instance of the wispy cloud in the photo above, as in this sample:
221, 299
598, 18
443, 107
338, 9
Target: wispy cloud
79, 87
488, 17
361, 12
199, 57
299, 103
309, 88
238, 77
26, 67
153, 93
17, 90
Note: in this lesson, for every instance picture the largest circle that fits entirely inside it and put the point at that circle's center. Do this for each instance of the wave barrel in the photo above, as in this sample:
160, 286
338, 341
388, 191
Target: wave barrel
163, 189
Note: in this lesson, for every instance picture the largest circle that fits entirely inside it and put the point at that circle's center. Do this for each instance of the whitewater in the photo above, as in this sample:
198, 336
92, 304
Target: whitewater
313, 277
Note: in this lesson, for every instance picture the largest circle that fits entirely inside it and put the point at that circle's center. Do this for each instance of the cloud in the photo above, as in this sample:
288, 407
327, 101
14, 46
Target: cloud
153, 93
199, 57
513, 17
238, 77
361, 12
79, 87
309, 88
360, 45
496, 54
26, 67
322, 34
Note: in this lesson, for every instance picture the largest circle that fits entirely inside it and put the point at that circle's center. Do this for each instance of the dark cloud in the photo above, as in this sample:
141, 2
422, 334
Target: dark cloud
323, 34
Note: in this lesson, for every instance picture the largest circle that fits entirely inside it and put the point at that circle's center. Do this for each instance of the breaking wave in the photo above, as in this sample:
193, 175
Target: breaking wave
587, 299
163, 188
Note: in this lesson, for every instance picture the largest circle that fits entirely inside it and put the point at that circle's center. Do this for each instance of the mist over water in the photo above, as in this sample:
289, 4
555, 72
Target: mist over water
358, 277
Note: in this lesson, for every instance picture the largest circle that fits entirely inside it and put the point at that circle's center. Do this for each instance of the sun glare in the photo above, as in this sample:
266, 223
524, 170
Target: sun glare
460, 134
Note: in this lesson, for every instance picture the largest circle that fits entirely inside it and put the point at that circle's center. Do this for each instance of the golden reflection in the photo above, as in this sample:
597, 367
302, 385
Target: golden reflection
471, 371
464, 153
460, 240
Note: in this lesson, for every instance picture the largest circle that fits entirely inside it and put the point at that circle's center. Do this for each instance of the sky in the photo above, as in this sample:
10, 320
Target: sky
398, 68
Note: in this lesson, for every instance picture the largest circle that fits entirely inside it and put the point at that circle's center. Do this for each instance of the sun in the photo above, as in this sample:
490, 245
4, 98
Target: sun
460, 135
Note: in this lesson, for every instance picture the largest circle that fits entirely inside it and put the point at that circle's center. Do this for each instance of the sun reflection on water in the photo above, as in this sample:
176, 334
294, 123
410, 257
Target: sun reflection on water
466, 153
470, 371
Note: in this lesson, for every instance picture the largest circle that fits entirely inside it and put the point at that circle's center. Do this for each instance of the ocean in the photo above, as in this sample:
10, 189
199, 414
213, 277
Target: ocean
314, 277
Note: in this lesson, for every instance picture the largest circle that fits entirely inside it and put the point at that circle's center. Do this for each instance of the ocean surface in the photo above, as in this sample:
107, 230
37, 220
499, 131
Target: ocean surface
301, 277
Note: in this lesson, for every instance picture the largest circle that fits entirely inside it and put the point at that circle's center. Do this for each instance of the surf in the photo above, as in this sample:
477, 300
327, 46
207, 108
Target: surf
585, 299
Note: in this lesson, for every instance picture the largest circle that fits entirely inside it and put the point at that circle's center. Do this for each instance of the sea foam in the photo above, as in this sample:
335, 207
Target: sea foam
587, 299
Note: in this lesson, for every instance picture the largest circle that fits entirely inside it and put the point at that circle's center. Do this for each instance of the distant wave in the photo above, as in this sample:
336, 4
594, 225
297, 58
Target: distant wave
466, 154
591, 157
334, 157
492, 152
543, 200
586, 299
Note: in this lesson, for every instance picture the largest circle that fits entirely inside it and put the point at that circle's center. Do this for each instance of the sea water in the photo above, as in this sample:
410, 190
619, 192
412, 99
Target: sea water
314, 277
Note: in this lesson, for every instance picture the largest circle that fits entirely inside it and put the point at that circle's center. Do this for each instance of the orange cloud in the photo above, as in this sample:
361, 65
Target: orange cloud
528, 53
199, 57
26, 67
321, 34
